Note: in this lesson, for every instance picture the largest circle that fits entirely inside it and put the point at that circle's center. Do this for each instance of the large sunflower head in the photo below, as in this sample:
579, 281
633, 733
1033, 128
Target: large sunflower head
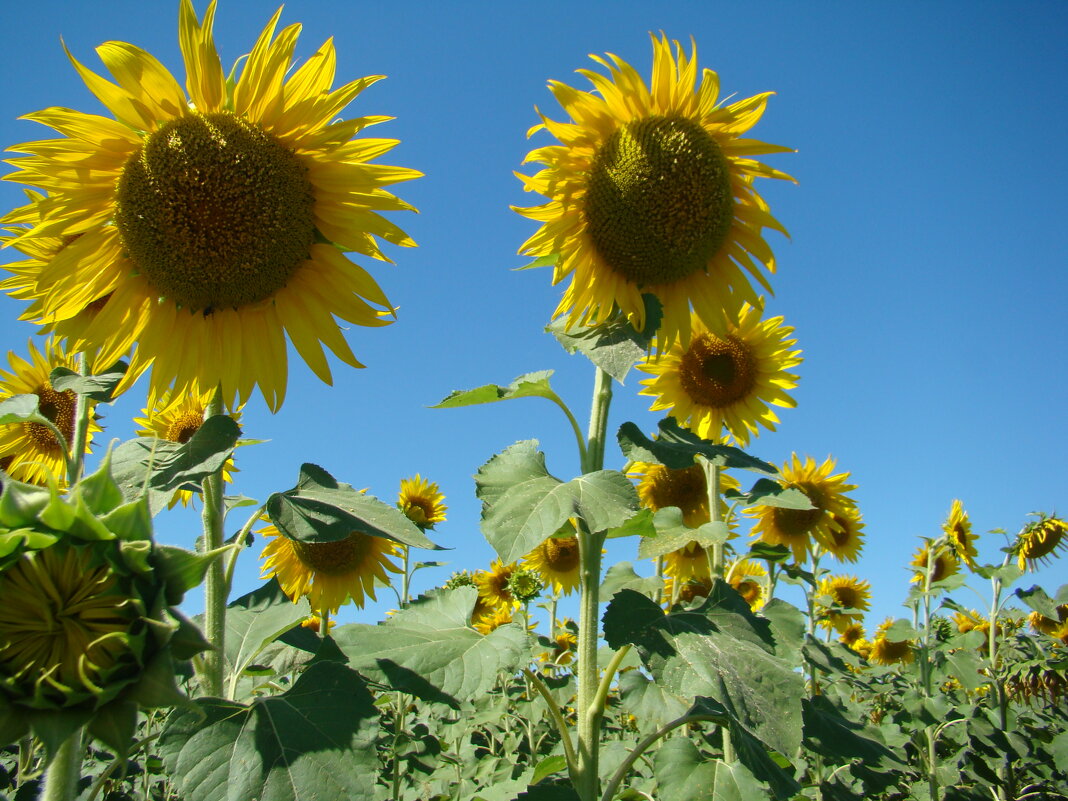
329, 573
557, 561
1040, 540
651, 191
176, 418
826, 490
203, 228
889, 652
660, 486
958, 531
942, 563
421, 501
848, 598
30, 451
726, 380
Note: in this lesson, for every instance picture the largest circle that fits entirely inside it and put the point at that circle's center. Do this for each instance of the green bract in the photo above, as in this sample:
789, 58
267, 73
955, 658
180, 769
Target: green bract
88, 632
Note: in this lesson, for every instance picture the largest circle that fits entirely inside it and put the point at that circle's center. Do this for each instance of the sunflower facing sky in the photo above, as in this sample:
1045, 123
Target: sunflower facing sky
849, 597
651, 191
943, 563
557, 561
203, 228
958, 531
726, 381
29, 451
421, 501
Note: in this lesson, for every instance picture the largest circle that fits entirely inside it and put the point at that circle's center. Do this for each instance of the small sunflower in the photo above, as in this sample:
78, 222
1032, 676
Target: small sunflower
1040, 540
726, 381
492, 584
975, 621
845, 539
651, 191
557, 561
207, 227
30, 452
850, 599
958, 530
492, 619
943, 563
889, 652
796, 528
177, 419
852, 633
686, 488
688, 589
564, 644
747, 577
329, 573
422, 502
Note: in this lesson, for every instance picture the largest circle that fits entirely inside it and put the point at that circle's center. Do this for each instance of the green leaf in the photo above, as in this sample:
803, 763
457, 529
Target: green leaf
1006, 574
965, 666
321, 509
315, 740
19, 409
528, 385
622, 576
901, 630
640, 525
677, 448
98, 387
766, 492
829, 732
768, 552
613, 346
549, 766
788, 627
650, 703
719, 650
1036, 598
431, 651
541, 261
672, 534
682, 773
256, 620
734, 782
99, 490
183, 570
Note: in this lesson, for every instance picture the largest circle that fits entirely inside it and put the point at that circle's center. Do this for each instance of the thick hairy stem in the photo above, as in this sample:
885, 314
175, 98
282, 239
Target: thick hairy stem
716, 557
61, 779
215, 590
602, 399
81, 432
589, 715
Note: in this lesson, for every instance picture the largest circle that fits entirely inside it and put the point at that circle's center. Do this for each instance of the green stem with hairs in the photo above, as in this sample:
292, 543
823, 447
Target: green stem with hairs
557, 716
215, 589
61, 778
76, 462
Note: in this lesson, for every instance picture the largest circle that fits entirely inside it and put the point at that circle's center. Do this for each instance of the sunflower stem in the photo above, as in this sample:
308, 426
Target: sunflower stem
593, 456
717, 556
82, 407
215, 590
557, 716
61, 778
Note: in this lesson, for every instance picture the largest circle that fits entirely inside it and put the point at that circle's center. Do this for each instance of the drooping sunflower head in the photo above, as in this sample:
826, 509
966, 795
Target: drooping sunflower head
557, 562
748, 577
204, 228
729, 380
651, 191
660, 487
422, 502
492, 584
1040, 540
30, 451
847, 600
1057, 629
844, 537
688, 562
889, 652
958, 531
826, 490
329, 573
942, 563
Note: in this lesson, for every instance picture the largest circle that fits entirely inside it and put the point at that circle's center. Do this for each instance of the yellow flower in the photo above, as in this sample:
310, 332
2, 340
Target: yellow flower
747, 577
688, 588
564, 644
958, 530
688, 562
209, 227
1057, 629
557, 561
422, 501
850, 595
651, 191
943, 563
852, 634
492, 584
726, 380
492, 618
685, 488
329, 573
30, 452
177, 419
844, 540
826, 490
889, 652
1040, 540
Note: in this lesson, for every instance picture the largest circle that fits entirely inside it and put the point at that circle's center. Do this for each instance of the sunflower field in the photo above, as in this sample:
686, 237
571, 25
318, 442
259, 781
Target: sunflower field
187, 241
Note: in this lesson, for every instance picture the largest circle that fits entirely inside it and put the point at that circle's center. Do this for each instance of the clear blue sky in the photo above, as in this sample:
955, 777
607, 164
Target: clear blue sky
925, 276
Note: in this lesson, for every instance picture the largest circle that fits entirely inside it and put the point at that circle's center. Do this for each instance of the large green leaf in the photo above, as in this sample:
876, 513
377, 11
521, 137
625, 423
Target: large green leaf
315, 741
719, 650
98, 387
321, 509
523, 504
766, 492
613, 346
682, 773
528, 385
650, 703
829, 732
672, 533
431, 651
1037, 599
676, 448
157, 468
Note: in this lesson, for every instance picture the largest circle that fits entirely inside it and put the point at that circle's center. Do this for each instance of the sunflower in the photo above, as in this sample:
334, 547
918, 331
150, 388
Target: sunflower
747, 577
1057, 629
943, 563
1039, 540
850, 599
492, 619
492, 584
557, 561
29, 451
421, 501
889, 652
688, 562
651, 191
958, 530
826, 490
686, 488
177, 419
564, 644
851, 634
845, 539
207, 226
329, 573
688, 588
726, 380
976, 621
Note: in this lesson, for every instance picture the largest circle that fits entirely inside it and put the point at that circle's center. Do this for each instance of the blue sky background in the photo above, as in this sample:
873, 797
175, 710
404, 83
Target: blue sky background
925, 276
